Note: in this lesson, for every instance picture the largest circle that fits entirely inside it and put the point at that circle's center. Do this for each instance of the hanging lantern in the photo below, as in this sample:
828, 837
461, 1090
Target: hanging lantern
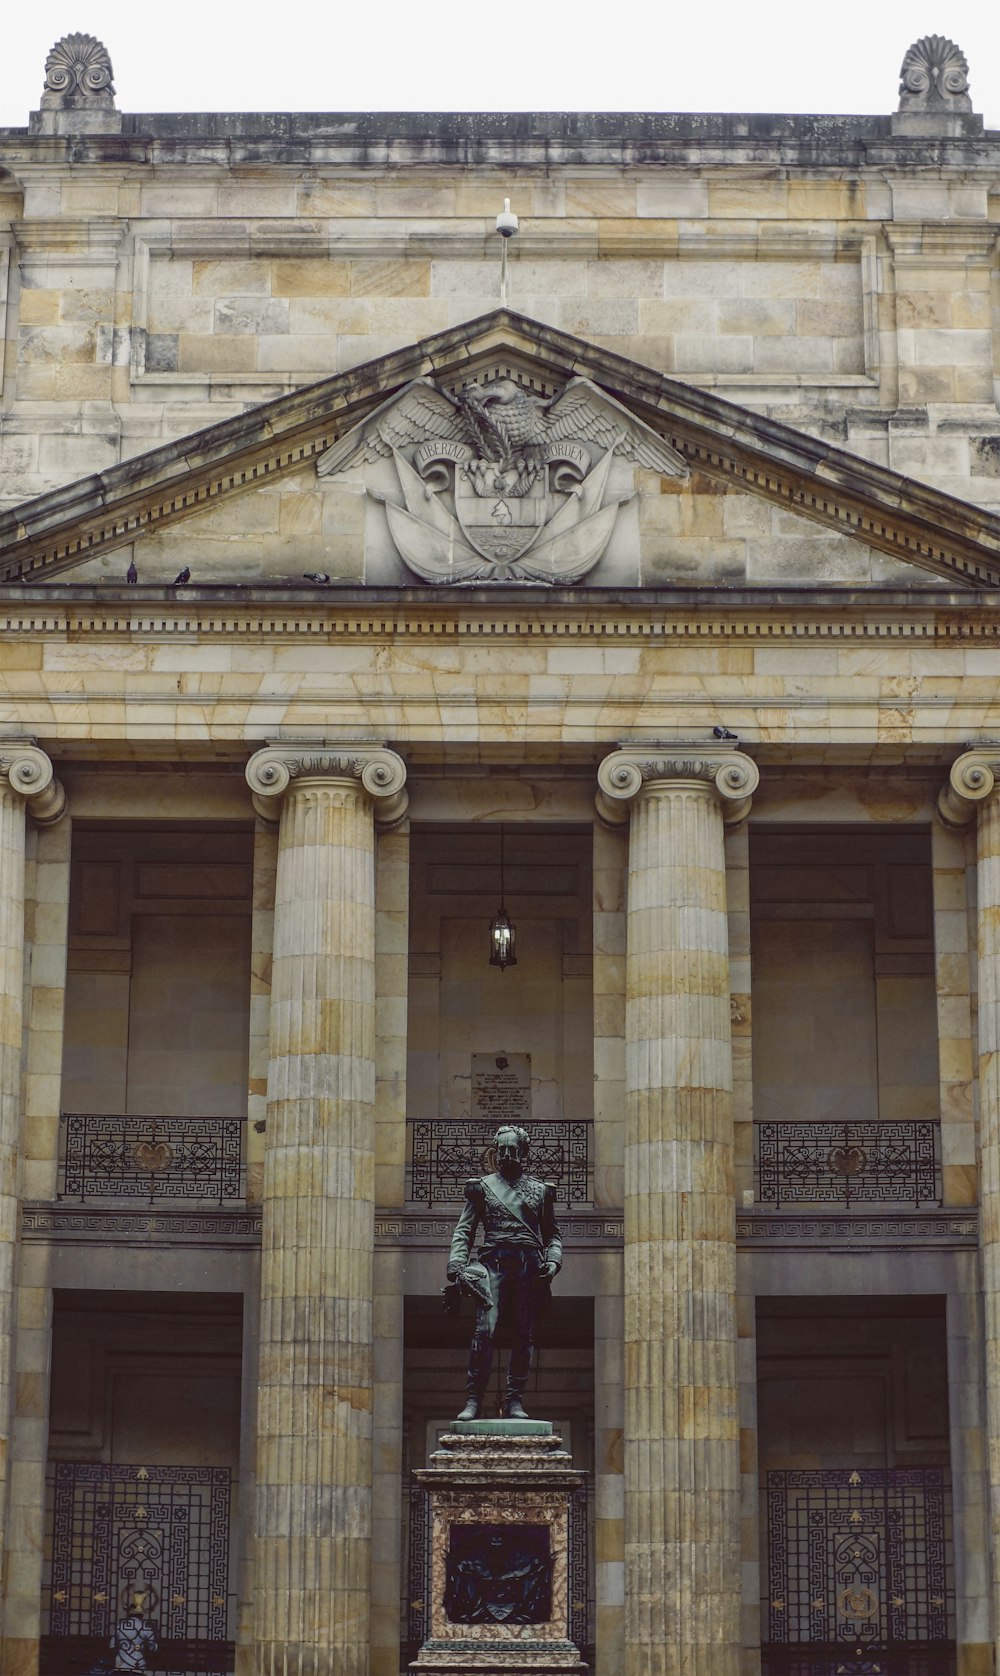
503, 935
502, 940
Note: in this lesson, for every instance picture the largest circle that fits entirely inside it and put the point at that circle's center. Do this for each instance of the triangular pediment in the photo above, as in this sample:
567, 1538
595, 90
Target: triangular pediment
851, 515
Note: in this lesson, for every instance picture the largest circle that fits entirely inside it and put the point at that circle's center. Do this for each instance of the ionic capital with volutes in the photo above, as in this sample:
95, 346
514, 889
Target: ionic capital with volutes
377, 771
636, 769
972, 782
30, 774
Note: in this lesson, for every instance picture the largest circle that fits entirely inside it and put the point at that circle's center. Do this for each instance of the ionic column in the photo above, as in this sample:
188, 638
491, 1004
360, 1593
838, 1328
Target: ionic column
26, 782
314, 1516
973, 790
682, 1467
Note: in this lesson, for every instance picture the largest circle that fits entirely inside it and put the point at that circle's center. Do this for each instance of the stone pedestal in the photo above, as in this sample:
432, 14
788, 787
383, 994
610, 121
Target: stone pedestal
498, 1596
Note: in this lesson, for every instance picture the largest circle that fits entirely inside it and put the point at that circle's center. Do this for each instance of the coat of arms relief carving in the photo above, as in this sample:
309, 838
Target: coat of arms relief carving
496, 484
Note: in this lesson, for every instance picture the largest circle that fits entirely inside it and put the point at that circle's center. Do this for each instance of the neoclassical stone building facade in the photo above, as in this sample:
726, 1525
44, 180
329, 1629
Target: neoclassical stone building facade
346, 594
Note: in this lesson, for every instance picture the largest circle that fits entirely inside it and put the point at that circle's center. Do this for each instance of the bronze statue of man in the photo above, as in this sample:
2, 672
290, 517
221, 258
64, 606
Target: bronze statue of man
519, 1253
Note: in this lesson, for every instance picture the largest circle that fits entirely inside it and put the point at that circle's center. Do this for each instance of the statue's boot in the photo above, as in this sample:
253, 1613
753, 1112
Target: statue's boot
514, 1409
471, 1409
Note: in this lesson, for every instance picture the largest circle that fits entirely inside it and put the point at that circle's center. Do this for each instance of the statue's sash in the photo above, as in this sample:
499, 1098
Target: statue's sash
511, 1205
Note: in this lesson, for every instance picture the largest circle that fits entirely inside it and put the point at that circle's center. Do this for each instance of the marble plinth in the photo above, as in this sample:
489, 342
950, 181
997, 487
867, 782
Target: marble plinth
500, 1503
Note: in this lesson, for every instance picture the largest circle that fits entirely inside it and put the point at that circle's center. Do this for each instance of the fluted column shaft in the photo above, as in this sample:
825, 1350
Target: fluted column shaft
26, 780
682, 1483
973, 789
316, 1373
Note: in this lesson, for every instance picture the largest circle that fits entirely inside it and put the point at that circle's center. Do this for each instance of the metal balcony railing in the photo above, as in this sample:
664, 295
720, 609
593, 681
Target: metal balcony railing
445, 1152
871, 1163
151, 1158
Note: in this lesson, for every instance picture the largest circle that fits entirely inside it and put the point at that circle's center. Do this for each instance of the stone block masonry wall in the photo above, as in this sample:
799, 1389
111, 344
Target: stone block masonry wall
817, 271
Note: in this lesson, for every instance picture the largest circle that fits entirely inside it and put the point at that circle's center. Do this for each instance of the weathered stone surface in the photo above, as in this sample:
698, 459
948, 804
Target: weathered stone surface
316, 1356
802, 307
682, 1505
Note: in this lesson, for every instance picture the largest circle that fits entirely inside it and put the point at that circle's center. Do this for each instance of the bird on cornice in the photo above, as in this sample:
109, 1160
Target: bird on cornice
132, 574
181, 578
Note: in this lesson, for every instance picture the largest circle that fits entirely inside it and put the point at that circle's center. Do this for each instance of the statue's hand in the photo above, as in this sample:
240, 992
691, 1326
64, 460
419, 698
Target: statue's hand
454, 1270
549, 1271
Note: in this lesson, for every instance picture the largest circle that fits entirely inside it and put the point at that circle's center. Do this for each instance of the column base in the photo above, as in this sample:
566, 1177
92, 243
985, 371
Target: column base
498, 1658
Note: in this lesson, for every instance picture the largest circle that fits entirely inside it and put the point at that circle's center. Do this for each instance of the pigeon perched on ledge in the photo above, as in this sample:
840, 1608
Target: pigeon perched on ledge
181, 578
132, 574
315, 576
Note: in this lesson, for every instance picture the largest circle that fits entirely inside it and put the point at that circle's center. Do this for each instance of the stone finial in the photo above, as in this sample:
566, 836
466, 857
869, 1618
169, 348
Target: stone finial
934, 77
78, 76
380, 772
732, 775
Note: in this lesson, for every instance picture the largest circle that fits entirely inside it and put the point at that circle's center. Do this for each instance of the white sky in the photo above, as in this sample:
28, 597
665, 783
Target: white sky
348, 55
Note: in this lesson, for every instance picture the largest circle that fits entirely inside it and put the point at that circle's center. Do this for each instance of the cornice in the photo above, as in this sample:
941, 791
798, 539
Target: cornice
640, 617
86, 240
473, 237
590, 1230
209, 143
927, 243
858, 1231
236, 1228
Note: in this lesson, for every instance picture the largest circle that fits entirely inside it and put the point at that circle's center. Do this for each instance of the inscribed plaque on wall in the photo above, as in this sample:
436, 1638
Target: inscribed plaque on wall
501, 1088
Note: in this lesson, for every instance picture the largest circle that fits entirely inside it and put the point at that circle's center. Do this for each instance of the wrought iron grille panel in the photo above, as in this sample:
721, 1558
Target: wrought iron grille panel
581, 1610
581, 1616
849, 1163
859, 1568
151, 1157
126, 1538
447, 1151
418, 1572
899, 1661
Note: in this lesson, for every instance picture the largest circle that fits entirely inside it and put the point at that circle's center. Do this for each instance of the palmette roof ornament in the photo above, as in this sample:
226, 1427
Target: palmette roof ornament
78, 75
934, 77
499, 485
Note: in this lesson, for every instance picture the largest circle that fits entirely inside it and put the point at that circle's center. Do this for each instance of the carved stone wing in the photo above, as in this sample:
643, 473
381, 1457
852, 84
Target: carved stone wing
584, 413
417, 413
